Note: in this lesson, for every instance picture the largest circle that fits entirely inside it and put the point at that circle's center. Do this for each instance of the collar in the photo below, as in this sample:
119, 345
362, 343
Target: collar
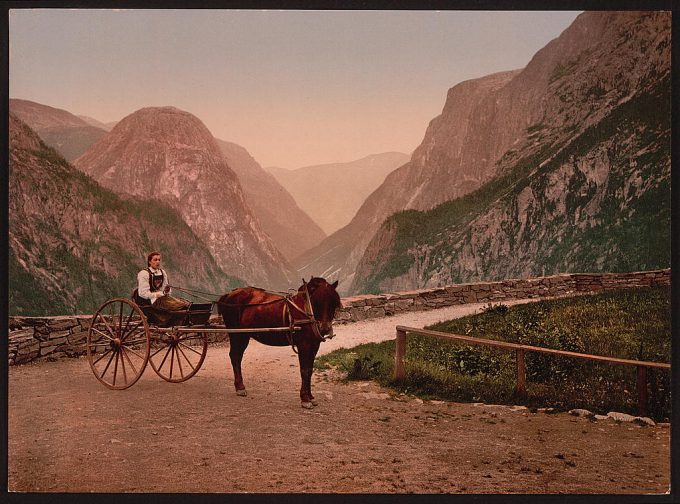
155, 271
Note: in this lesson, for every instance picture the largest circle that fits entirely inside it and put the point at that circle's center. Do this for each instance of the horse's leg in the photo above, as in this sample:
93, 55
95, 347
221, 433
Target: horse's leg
237, 346
306, 355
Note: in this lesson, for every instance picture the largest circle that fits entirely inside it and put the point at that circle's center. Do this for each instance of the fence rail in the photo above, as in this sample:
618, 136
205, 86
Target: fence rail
520, 351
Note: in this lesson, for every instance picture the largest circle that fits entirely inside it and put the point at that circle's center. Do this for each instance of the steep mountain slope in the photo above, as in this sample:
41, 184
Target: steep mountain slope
73, 244
586, 189
169, 154
67, 133
488, 124
332, 193
291, 229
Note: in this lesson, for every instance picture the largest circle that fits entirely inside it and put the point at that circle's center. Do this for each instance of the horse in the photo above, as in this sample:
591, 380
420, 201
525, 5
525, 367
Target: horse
312, 309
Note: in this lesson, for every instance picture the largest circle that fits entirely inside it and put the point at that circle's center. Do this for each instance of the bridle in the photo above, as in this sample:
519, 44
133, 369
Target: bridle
308, 312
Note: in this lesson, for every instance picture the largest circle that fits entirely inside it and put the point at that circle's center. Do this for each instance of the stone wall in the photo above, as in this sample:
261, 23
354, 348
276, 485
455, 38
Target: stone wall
369, 306
53, 337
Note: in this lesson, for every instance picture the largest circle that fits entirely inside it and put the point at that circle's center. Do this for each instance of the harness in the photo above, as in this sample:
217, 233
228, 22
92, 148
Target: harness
289, 306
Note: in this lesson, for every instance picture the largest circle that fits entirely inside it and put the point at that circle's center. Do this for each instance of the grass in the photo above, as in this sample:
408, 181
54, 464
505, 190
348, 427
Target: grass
630, 324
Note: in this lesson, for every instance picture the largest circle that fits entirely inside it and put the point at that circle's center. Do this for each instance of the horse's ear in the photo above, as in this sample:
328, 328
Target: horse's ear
334, 284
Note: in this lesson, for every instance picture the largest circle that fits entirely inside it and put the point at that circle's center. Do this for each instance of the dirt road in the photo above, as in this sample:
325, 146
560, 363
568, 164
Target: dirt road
67, 433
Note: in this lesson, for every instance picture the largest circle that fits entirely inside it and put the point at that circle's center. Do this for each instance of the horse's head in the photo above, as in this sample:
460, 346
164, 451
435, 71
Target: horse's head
325, 301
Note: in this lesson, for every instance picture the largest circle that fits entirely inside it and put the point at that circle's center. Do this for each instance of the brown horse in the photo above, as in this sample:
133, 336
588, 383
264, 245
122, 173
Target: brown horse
312, 309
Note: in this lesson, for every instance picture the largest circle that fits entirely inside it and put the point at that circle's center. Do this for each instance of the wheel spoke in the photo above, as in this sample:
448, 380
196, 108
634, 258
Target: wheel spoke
157, 351
125, 355
163, 362
179, 364
127, 333
107, 366
172, 361
105, 335
189, 348
139, 337
129, 317
179, 350
131, 350
120, 318
102, 356
122, 364
115, 369
111, 332
112, 319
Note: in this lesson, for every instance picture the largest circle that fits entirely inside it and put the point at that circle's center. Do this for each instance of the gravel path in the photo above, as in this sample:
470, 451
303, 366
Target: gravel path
382, 329
67, 433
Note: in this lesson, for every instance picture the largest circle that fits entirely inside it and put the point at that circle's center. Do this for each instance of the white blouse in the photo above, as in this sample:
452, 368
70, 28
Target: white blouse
143, 288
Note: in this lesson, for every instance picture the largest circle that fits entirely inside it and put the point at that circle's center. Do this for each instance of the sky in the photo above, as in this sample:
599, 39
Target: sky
295, 88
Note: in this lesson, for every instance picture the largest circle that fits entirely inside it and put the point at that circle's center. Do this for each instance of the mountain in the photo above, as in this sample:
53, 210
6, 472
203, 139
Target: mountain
332, 193
67, 133
73, 244
585, 188
488, 125
169, 154
290, 228
98, 124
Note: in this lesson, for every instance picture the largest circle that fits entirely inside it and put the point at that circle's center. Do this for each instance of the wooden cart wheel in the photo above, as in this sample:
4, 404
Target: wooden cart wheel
118, 343
177, 356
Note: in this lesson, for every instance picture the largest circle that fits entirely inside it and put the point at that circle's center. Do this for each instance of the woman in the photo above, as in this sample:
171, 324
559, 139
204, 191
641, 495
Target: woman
153, 289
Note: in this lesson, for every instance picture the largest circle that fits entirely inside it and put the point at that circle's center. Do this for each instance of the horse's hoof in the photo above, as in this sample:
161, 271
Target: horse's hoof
307, 405
315, 402
241, 393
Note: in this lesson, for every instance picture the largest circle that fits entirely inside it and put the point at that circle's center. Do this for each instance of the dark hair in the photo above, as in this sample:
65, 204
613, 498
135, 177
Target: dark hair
150, 256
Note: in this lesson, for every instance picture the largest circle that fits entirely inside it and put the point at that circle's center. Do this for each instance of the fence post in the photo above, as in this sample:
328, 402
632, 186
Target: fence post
521, 387
642, 390
399, 352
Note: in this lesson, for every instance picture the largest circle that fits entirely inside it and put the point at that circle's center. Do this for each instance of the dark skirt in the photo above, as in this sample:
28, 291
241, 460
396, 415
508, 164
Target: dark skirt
168, 310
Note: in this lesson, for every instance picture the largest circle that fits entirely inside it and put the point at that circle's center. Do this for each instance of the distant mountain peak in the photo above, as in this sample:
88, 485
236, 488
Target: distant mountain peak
169, 154
331, 193
40, 117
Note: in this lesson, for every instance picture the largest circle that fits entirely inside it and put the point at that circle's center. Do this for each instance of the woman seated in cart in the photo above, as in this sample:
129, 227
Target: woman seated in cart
153, 289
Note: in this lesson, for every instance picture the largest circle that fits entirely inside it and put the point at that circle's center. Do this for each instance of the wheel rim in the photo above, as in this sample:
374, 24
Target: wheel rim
118, 343
176, 357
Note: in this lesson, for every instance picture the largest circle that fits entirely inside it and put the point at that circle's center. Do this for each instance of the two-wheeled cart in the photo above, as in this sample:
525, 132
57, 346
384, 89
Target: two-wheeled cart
124, 337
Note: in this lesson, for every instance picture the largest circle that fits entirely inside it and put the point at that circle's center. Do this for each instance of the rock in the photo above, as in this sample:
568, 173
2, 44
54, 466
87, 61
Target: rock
620, 417
644, 421
580, 412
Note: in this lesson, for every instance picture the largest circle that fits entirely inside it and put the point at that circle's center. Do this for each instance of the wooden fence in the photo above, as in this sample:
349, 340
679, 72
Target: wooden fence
520, 351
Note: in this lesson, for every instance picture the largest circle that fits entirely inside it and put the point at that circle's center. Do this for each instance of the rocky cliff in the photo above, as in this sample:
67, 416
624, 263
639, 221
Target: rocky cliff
169, 154
290, 228
332, 193
73, 243
586, 186
69, 134
489, 124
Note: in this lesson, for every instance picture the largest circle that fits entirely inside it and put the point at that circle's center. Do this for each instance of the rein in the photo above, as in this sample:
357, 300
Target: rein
307, 312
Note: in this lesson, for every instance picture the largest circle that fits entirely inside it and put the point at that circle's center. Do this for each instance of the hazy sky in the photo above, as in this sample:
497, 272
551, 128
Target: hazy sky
295, 88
